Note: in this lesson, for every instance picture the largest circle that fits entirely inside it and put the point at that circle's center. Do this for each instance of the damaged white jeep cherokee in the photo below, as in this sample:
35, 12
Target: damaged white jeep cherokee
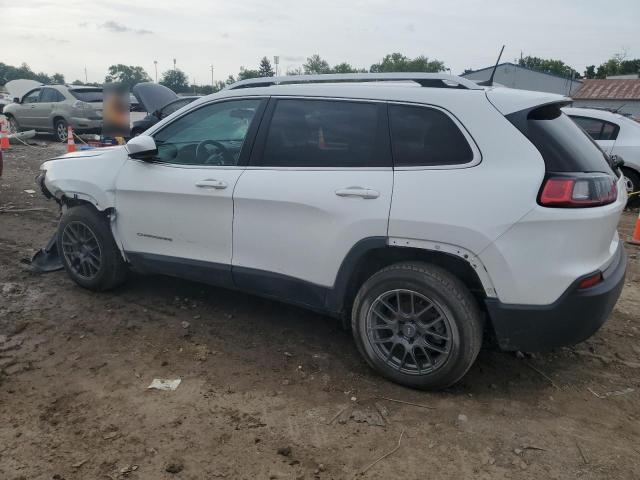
426, 209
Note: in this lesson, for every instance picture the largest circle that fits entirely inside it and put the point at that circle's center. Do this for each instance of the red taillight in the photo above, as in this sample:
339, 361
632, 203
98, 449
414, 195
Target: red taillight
591, 280
581, 190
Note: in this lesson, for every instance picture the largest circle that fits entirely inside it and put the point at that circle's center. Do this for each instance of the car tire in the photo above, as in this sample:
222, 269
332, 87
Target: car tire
60, 129
422, 309
88, 251
632, 181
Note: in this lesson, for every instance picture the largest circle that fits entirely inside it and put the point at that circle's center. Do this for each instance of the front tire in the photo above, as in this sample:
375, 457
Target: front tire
417, 325
14, 127
88, 251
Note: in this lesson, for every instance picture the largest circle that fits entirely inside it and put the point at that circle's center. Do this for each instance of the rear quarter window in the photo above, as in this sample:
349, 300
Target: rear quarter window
88, 94
564, 146
424, 136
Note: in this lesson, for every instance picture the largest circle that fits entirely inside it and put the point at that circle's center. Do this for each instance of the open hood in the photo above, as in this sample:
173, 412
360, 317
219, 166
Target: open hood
153, 96
19, 88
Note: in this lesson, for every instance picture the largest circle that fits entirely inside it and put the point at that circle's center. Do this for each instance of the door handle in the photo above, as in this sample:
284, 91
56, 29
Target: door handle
365, 193
211, 183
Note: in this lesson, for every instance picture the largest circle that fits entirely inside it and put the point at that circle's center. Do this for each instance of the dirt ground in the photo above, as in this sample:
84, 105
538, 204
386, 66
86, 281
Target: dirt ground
273, 391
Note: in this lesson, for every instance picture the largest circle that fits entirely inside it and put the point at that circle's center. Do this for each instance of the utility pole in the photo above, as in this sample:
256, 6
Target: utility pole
155, 64
85, 75
174, 64
276, 61
211, 78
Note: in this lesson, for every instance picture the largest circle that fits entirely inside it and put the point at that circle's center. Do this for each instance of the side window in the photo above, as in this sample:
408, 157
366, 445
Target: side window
49, 95
32, 97
326, 133
423, 136
173, 107
609, 131
211, 135
592, 126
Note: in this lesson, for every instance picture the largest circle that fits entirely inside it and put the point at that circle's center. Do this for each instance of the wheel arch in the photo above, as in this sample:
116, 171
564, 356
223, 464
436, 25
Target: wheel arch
373, 254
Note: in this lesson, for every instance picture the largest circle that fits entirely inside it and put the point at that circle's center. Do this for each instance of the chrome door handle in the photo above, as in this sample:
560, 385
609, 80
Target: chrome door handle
366, 193
211, 183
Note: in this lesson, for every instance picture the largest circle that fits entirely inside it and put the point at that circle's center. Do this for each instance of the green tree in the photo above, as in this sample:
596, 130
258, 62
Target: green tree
345, 67
548, 65
295, 71
247, 73
176, 80
230, 79
316, 65
397, 62
57, 78
590, 72
265, 69
128, 75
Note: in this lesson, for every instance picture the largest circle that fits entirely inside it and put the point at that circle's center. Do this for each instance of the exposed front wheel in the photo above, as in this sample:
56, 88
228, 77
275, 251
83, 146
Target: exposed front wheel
417, 325
87, 249
13, 125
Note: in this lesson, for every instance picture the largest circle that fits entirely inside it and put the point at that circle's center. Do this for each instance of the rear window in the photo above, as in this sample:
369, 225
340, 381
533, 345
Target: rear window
564, 146
88, 94
423, 136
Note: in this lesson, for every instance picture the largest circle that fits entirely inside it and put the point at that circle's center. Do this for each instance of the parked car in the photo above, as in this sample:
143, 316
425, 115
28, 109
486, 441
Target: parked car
159, 102
352, 199
617, 135
51, 108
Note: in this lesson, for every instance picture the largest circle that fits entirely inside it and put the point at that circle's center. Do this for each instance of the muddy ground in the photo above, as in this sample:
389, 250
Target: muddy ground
262, 383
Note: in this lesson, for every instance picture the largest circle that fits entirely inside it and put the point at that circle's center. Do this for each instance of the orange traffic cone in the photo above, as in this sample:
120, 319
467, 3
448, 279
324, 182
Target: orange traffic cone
71, 144
635, 239
4, 137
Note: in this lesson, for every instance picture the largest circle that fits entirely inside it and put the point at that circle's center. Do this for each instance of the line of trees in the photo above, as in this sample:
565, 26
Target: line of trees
178, 81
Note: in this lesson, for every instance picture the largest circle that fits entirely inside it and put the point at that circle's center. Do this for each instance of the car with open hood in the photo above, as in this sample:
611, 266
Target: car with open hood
53, 108
159, 102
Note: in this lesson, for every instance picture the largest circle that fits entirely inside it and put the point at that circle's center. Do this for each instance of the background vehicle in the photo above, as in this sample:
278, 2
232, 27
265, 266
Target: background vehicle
617, 135
51, 108
159, 102
4, 101
345, 198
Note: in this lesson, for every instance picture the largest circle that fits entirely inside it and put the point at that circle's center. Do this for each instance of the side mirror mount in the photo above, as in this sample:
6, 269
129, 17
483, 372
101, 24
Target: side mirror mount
142, 147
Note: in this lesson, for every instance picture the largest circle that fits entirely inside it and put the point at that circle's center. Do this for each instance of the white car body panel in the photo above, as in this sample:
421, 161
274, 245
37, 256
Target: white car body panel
626, 145
161, 210
290, 221
89, 175
506, 102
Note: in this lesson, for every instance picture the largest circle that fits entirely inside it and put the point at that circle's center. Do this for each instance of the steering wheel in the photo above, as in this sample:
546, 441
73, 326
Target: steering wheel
219, 156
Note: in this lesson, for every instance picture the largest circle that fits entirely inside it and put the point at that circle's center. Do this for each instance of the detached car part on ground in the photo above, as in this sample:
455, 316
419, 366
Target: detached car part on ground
345, 198
52, 108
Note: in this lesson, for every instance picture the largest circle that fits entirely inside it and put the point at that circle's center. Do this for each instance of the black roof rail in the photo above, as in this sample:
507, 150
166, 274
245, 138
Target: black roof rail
432, 80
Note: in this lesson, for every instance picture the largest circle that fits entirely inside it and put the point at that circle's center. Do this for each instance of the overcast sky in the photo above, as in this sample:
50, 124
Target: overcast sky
65, 36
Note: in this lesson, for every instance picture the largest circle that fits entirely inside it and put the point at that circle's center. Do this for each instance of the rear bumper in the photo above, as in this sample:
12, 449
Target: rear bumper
574, 317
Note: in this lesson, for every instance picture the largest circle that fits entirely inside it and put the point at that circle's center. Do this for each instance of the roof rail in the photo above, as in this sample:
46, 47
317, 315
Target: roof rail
433, 80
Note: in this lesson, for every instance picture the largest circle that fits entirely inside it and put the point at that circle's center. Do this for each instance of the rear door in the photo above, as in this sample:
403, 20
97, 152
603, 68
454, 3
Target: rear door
42, 111
320, 180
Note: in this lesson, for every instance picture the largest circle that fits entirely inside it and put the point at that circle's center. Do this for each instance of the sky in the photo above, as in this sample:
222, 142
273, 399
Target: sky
67, 36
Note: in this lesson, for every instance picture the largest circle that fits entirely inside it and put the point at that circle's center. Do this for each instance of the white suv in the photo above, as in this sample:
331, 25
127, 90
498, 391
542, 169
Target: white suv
422, 207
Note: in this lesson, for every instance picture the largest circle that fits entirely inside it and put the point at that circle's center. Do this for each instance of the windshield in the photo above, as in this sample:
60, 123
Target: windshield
93, 95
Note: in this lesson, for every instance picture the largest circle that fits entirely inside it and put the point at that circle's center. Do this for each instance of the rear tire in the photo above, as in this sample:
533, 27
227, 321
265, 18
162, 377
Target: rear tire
417, 325
632, 181
60, 129
88, 251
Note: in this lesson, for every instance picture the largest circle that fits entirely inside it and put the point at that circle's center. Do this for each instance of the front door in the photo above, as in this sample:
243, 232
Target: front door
174, 214
320, 180
26, 115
